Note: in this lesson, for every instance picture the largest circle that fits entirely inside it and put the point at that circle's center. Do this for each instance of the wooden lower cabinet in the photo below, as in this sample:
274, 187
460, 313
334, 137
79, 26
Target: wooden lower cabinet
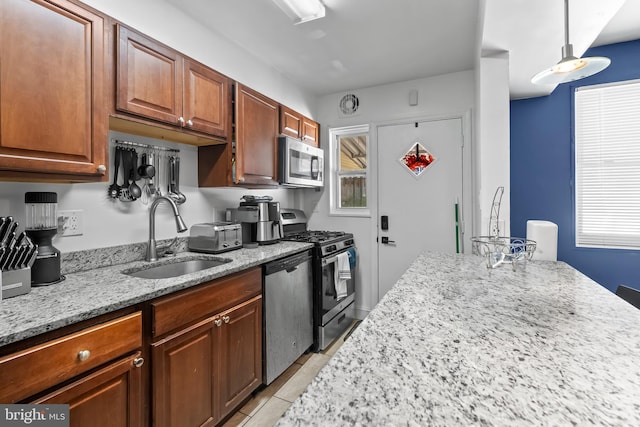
112, 396
240, 355
204, 371
183, 377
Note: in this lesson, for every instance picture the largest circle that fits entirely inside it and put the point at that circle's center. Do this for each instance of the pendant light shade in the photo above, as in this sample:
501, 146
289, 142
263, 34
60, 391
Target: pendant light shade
570, 68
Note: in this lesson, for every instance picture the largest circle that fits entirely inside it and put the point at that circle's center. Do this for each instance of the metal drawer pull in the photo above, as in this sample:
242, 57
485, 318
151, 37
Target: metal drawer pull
226, 319
189, 123
102, 168
84, 355
218, 322
138, 362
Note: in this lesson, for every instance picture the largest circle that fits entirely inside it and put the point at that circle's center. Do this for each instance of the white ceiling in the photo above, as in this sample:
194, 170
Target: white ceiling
362, 43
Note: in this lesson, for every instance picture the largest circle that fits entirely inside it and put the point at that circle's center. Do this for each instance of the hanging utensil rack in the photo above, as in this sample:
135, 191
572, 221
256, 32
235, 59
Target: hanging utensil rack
145, 146
165, 179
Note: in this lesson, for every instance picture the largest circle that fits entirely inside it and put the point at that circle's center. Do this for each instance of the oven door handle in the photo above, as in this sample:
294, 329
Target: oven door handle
330, 260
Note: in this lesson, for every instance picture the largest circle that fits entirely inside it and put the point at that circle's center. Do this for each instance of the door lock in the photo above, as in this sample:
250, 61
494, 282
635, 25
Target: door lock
384, 222
386, 241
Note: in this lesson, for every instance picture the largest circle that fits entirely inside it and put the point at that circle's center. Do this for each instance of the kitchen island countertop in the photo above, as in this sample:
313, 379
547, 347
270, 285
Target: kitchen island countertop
87, 294
453, 343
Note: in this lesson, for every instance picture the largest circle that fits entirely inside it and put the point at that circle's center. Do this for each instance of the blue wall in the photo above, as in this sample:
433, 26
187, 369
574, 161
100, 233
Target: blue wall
542, 169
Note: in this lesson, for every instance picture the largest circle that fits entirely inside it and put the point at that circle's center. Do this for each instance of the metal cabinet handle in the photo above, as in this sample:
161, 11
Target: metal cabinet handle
189, 123
83, 355
138, 362
181, 121
102, 168
226, 319
218, 322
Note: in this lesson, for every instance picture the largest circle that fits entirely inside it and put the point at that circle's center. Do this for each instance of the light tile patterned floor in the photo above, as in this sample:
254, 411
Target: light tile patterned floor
268, 405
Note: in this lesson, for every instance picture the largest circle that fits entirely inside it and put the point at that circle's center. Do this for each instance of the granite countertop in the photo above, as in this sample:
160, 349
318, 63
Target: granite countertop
453, 343
96, 291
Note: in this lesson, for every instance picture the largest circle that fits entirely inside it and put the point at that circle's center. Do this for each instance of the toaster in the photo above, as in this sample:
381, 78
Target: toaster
215, 237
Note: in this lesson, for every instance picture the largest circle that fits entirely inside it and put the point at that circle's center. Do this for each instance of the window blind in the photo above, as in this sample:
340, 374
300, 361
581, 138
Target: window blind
607, 165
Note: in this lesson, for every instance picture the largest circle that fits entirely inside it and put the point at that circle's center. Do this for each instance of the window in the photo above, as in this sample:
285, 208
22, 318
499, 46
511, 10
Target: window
349, 171
607, 165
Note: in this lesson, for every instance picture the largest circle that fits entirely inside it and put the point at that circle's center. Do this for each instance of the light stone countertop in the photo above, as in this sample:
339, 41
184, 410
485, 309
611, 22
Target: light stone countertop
96, 291
453, 343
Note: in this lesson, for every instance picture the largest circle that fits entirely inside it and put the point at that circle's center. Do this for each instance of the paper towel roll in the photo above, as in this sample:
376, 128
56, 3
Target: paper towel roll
545, 234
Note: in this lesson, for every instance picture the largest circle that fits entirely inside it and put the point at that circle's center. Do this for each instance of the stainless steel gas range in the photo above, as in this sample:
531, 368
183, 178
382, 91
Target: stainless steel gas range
333, 306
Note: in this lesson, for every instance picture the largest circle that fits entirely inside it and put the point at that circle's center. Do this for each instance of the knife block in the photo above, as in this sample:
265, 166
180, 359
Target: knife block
16, 282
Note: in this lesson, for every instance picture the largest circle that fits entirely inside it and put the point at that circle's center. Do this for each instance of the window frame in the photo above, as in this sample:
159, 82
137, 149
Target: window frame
606, 239
335, 174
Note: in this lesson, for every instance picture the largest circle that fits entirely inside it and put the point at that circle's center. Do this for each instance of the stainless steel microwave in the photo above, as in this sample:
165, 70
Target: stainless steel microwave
299, 164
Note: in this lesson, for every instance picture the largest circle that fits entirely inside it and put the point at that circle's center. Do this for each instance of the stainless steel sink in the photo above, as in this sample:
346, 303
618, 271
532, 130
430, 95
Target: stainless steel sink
175, 269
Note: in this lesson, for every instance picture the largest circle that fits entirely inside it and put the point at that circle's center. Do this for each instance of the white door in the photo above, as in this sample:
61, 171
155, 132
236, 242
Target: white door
420, 209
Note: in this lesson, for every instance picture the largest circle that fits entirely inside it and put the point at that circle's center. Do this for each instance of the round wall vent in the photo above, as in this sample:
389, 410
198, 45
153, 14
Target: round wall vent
349, 104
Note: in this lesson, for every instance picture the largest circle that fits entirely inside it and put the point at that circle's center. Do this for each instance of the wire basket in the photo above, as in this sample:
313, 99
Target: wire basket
499, 250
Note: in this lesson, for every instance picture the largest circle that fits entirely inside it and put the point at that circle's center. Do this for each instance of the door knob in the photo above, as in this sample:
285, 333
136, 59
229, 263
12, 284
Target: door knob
386, 241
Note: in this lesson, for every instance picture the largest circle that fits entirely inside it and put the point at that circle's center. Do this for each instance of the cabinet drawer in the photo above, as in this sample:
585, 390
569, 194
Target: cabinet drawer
176, 311
37, 368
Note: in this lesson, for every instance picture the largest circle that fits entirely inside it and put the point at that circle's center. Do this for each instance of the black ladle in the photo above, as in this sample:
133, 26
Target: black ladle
134, 189
114, 189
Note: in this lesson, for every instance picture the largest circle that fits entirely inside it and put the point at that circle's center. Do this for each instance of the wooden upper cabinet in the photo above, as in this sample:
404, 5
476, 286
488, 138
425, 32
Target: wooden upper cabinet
298, 126
149, 78
156, 82
207, 99
256, 137
290, 122
53, 115
310, 132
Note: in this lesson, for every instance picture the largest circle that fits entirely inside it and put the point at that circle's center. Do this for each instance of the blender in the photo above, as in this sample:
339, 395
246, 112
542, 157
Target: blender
41, 227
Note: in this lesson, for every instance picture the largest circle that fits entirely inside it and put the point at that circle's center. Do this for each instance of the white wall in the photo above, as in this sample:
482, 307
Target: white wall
109, 222
492, 144
437, 96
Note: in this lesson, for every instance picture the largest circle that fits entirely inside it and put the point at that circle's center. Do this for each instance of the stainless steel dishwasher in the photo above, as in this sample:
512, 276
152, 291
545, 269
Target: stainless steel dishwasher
288, 313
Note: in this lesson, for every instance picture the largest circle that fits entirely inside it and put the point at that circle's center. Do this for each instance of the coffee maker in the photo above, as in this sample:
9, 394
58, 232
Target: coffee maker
259, 218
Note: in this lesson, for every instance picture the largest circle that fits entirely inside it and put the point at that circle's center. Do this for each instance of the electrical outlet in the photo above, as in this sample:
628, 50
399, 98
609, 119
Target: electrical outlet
70, 222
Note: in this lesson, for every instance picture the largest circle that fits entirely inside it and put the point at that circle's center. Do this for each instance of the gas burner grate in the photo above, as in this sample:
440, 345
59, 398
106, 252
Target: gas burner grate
315, 236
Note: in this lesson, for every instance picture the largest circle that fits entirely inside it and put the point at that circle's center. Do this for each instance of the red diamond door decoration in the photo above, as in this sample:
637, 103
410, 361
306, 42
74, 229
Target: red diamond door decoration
417, 159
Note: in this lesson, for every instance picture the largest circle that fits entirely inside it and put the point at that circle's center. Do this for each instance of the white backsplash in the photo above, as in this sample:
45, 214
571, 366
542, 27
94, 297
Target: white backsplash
109, 222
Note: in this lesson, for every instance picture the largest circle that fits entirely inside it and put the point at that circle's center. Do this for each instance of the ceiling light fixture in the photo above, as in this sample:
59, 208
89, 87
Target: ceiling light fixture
570, 68
301, 10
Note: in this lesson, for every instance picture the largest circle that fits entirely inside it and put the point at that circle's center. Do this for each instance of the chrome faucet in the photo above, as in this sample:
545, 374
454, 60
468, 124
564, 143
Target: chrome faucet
152, 251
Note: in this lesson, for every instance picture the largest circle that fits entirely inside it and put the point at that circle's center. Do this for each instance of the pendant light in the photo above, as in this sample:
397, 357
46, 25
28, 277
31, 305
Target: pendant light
570, 68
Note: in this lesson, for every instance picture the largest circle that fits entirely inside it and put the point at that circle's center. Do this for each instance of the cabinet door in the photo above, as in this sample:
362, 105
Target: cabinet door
256, 137
183, 377
240, 353
53, 116
149, 78
290, 122
111, 396
310, 132
207, 99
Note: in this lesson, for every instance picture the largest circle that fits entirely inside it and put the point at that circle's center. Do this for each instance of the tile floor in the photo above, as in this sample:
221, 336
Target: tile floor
267, 405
